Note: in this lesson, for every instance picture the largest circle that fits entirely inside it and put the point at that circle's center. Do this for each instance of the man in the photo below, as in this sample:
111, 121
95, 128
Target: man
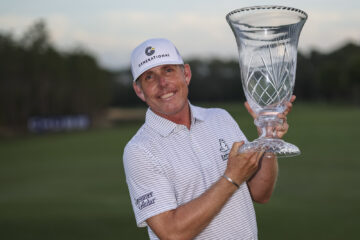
184, 180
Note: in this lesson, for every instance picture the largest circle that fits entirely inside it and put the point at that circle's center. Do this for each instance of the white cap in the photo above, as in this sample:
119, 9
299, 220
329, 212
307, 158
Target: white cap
152, 53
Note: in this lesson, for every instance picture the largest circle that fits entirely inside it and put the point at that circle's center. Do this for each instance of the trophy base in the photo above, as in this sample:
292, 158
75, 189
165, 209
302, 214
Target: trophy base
272, 145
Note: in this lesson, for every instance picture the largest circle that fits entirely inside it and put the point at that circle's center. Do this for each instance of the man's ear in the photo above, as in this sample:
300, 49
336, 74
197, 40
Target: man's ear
139, 92
187, 73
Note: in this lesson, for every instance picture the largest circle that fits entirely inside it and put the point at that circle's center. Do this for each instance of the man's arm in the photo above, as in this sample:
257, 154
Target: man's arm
188, 220
262, 183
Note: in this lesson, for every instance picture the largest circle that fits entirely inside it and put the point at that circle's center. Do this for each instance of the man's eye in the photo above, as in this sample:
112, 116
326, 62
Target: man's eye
169, 70
148, 77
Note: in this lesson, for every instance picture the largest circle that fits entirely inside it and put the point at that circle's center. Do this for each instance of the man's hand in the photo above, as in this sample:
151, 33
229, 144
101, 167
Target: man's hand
242, 166
282, 129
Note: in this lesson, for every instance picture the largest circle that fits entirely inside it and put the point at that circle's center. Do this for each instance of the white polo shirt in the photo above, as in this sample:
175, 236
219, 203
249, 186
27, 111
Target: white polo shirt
168, 165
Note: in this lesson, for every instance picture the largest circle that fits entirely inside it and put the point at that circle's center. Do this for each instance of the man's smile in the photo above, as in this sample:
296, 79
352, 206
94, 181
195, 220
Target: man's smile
167, 95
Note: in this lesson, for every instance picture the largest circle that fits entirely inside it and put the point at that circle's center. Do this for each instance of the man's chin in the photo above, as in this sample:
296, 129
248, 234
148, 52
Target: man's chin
170, 110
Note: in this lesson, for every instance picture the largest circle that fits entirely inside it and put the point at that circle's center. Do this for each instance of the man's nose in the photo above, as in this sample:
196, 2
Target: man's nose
162, 80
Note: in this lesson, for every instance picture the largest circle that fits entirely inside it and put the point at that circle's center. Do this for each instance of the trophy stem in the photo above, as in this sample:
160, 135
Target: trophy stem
267, 124
268, 140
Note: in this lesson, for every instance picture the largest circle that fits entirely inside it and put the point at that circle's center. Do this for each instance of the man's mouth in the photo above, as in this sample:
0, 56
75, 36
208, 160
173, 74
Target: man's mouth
167, 95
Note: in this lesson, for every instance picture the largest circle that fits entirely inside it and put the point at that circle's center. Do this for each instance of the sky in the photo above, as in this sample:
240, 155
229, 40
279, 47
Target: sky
110, 29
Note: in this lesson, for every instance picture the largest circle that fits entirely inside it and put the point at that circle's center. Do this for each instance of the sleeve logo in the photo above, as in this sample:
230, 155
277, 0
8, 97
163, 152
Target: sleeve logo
145, 200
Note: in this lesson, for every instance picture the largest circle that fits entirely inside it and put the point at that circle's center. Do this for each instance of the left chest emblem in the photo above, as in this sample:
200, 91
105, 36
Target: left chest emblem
224, 148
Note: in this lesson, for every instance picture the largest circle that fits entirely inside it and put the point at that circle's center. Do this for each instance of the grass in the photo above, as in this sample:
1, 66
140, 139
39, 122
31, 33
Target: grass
72, 185
66, 186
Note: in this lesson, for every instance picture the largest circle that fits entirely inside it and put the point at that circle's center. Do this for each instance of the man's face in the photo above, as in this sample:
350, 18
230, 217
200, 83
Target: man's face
165, 88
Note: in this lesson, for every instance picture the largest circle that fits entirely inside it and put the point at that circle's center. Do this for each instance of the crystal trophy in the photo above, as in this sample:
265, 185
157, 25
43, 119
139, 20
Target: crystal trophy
267, 39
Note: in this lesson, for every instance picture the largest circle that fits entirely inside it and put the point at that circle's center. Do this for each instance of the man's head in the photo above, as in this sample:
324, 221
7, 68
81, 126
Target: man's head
161, 79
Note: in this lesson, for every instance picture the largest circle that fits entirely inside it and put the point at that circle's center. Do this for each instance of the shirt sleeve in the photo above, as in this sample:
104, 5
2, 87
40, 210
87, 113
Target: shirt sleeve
150, 191
237, 131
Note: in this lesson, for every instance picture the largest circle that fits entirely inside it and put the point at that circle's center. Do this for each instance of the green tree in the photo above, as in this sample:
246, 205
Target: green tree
38, 80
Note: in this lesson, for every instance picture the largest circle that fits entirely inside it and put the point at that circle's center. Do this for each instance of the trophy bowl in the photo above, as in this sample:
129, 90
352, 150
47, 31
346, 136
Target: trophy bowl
267, 39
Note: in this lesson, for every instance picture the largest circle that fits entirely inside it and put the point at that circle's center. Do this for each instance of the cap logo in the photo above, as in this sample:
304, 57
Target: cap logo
149, 51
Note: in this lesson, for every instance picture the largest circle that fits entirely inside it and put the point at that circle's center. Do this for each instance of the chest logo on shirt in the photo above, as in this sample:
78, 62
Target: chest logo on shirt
224, 148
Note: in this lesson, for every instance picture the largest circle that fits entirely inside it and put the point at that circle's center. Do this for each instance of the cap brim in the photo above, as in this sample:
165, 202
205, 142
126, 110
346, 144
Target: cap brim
166, 62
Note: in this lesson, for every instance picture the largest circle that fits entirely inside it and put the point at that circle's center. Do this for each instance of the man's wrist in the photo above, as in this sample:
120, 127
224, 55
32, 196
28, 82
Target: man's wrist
269, 155
231, 181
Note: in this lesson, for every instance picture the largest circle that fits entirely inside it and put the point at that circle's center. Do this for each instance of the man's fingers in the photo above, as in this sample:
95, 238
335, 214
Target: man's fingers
235, 147
260, 154
248, 108
282, 116
288, 108
282, 130
283, 127
289, 105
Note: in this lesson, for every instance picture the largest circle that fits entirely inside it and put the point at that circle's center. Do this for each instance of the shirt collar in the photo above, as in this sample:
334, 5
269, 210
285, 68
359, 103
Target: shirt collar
165, 127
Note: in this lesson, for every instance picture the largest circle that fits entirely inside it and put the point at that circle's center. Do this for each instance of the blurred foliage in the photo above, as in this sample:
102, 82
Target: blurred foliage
330, 77
38, 80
